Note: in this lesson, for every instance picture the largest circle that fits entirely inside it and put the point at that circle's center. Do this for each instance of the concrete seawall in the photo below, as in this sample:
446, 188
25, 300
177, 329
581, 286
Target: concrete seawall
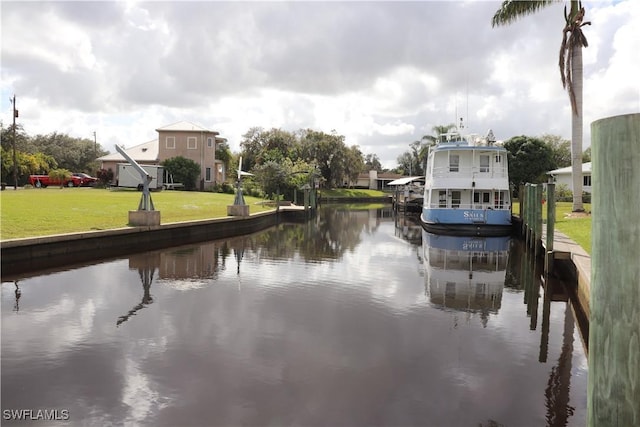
37, 253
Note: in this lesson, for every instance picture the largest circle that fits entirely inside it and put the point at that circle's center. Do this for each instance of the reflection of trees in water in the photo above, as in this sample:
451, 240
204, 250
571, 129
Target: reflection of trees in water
328, 236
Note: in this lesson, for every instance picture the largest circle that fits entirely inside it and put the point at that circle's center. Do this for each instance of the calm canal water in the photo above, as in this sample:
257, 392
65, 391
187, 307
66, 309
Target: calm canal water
355, 318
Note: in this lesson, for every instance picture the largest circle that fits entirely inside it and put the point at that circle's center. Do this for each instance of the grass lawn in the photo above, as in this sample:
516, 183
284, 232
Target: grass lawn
577, 228
46, 211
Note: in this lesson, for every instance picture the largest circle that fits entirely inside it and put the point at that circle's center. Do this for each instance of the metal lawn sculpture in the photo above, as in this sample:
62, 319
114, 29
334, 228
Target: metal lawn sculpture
239, 199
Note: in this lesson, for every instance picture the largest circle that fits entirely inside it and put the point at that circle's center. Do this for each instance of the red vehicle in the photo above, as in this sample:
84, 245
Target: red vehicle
44, 181
86, 180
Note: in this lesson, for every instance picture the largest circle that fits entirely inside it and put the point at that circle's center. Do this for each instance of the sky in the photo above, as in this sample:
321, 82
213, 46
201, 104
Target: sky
381, 73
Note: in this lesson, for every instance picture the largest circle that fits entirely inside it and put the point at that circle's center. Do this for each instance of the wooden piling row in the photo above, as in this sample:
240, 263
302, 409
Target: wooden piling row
532, 222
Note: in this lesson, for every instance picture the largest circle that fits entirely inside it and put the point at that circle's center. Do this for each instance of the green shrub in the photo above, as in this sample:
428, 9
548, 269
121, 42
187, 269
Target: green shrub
183, 170
563, 193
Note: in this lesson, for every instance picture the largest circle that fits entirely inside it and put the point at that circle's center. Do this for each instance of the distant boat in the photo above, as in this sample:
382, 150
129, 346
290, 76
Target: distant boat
466, 189
465, 273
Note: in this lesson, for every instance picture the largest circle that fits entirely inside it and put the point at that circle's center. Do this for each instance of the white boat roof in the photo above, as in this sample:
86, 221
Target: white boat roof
404, 181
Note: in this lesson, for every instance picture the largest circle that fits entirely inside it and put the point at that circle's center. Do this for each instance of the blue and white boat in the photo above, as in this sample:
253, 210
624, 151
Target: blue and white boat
466, 189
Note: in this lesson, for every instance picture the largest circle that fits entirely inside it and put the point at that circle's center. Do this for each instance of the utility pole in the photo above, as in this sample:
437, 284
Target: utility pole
15, 163
95, 145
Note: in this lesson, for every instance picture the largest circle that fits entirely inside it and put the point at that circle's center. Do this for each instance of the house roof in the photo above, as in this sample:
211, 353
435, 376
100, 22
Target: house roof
147, 152
184, 126
389, 176
586, 168
386, 176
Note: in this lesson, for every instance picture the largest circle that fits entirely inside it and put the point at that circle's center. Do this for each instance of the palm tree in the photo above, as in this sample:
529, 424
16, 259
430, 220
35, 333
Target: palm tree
570, 63
421, 148
437, 131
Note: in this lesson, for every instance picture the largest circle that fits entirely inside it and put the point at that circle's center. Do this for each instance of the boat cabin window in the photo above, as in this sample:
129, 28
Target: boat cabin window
485, 196
442, 199
454, 163
484, 163
455, 199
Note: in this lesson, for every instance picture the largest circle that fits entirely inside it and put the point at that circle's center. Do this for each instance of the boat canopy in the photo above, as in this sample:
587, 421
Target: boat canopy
405, 181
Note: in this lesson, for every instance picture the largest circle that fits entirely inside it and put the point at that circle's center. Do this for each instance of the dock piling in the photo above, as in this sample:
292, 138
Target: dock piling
613, 392
551, 224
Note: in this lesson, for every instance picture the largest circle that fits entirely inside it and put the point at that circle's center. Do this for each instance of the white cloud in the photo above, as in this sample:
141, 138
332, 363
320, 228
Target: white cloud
380, 73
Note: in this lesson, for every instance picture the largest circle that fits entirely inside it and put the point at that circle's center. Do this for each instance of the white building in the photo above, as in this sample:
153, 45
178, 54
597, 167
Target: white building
563, 176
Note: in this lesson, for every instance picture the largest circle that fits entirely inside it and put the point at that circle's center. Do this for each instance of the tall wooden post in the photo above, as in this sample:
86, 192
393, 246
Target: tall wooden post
551, 226
528, 215
523, 208
538, 219
614, 330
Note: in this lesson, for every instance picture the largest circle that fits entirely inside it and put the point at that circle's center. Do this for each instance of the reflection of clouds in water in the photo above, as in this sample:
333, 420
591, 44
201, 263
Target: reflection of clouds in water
143, 395
65, 327
184, 284
140, 395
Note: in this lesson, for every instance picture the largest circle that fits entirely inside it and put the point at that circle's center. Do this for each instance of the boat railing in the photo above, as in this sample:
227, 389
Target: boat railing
473, 171
470, 206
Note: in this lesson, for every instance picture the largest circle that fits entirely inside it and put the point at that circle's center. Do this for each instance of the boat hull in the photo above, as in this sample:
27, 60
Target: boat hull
467, 222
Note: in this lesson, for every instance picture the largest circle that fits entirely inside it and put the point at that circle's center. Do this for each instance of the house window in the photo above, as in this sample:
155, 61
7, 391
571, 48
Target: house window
586, 180
192, 143
209, 142
498, 158
207, 174
455, 199
454, 163
171, 142
484, 163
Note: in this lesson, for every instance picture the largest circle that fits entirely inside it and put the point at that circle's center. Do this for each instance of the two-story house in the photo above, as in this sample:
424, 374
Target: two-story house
184, 139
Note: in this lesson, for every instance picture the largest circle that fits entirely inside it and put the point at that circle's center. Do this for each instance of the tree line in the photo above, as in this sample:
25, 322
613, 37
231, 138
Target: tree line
283, 161
41, 154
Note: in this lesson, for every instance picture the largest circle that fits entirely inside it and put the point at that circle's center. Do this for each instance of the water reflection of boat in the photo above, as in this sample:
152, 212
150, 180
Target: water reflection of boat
465, 273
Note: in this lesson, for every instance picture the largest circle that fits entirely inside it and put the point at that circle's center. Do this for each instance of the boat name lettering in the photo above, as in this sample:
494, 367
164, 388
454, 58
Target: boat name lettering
473, 215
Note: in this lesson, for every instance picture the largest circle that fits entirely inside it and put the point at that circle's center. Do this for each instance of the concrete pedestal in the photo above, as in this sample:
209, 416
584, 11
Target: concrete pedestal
238, 210
144, 218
